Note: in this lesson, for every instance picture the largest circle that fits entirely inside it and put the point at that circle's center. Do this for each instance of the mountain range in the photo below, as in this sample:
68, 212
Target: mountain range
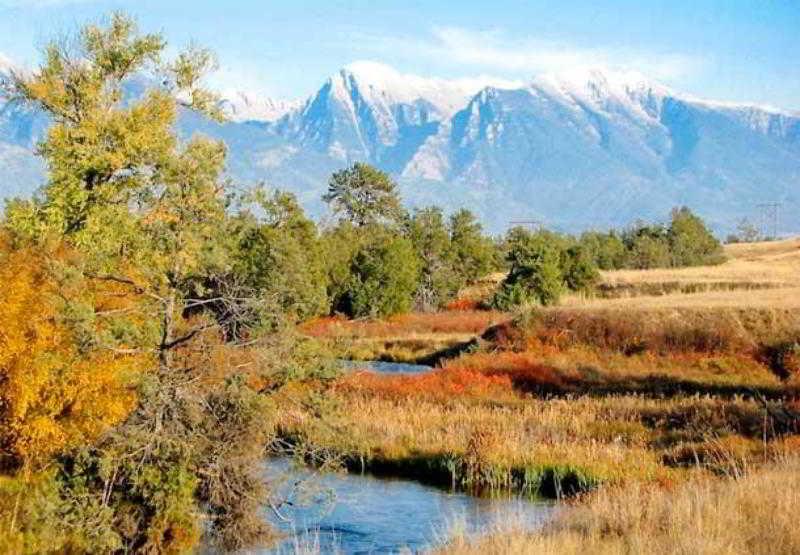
579, 149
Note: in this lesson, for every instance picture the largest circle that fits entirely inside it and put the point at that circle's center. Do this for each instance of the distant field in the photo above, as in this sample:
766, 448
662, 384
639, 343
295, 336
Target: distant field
755, 275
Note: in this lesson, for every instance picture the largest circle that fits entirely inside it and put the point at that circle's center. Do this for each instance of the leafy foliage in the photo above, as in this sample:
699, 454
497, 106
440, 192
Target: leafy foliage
364, 195
685, 242
440, 280
54, 395
473, 252
535, 273
280, 255
383, 276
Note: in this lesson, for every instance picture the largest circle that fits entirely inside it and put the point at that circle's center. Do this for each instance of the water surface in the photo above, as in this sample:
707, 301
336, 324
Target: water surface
352, 513
385, 367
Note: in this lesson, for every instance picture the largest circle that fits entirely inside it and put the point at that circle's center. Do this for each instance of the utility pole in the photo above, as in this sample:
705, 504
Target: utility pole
769, 215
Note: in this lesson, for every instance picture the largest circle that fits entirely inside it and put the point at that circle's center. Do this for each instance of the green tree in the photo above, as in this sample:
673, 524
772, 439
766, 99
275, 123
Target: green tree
606, 249
579, 268
339, 247
440, 279
383, 275
364, 195
473, 252
279, 254
691, 242
535, 273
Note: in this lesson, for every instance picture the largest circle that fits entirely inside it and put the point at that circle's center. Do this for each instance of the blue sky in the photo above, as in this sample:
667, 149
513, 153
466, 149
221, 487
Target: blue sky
731, 50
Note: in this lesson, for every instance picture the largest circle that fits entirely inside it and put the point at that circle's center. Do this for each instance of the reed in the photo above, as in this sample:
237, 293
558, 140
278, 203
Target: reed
756, 513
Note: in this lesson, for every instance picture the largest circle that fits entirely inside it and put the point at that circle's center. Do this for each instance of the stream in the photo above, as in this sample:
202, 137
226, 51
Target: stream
360, 513
382, 367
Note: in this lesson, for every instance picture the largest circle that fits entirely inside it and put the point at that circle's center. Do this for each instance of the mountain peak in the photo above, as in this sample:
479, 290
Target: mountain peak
395, 87
597, 82
245, 106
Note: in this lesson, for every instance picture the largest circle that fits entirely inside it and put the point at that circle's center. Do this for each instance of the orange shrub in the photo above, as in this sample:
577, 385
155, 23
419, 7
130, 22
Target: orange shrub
52, 395
523, 370
463, 304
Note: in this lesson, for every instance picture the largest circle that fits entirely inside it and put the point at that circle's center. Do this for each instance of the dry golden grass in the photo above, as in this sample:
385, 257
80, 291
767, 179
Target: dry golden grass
476, 430
753, 514
662, 329
784, 297
755, 275
772, 262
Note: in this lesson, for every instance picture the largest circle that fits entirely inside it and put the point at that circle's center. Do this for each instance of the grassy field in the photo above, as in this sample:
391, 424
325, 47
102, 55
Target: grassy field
684, 401
754, 274
755, 513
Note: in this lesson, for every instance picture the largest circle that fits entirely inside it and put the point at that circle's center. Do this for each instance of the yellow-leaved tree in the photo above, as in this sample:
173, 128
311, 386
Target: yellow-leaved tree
153, 279
54, 395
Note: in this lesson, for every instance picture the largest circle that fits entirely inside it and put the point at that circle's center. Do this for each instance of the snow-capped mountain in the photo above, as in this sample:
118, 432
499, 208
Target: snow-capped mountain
370, 111
242, 106
582, 148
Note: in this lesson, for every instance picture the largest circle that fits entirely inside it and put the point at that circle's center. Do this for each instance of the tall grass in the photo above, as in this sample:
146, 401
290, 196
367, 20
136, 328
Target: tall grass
754, 514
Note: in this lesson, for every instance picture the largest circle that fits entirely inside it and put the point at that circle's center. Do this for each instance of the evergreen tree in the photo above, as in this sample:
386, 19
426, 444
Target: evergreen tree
384, 275
440, 279
472, 252
364, 195
279, 254
535, 273
691, 243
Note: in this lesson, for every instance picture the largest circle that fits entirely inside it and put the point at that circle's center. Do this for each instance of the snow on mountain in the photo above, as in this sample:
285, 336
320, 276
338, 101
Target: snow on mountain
581, 148
370, 111
243, 106
382, 83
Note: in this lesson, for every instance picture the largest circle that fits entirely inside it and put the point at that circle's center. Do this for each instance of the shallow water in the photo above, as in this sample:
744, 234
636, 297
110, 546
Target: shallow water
351, 513
385, 367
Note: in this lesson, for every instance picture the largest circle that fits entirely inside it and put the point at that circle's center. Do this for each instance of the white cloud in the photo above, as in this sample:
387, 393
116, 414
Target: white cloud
495, 51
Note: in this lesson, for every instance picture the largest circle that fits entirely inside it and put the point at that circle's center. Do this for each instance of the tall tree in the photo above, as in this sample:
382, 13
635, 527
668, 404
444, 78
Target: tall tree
363, 195
440, 279
147, 212
472, 251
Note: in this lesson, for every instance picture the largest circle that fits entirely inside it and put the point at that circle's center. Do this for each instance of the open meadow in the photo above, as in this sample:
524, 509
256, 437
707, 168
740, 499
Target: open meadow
678, 392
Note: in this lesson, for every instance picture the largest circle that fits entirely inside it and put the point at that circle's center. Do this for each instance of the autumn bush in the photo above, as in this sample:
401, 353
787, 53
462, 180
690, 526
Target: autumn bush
54, 393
